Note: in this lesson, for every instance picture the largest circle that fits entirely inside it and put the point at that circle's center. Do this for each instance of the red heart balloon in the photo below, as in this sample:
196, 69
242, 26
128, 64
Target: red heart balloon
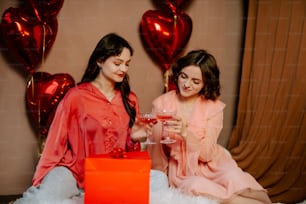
165, 34
28, 39
43, 93
46, 9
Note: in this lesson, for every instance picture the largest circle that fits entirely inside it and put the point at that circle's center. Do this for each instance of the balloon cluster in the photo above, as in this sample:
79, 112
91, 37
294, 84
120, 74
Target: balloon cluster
29, 35
166, 33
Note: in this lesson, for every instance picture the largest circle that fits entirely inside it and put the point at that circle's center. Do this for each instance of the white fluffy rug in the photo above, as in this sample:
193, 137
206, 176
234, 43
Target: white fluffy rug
160, 193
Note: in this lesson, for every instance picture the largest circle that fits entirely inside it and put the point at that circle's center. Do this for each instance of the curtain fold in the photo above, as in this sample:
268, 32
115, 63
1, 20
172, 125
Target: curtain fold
269, 137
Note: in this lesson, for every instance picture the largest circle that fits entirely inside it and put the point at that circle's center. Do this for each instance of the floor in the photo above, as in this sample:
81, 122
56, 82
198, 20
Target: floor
7, 199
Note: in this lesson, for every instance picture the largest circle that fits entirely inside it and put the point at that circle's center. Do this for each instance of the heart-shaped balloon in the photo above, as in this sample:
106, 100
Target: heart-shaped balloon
28, 39
165, 34
46, 9
43, 93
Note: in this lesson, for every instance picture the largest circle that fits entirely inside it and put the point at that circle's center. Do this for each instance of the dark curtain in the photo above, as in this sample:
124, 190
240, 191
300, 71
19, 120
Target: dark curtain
269, 137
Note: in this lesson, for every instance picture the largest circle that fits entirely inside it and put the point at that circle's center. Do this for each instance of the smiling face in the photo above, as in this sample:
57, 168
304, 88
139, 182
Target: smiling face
190, 81
115, 68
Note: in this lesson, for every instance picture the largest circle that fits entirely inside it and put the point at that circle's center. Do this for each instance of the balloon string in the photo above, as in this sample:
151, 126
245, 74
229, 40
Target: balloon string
175, 34
40, 140
40, 137
44, 45
166, 76
38, 122
32, 82
39, 129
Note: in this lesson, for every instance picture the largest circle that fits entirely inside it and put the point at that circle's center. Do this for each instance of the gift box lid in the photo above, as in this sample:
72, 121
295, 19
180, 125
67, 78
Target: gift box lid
131, 162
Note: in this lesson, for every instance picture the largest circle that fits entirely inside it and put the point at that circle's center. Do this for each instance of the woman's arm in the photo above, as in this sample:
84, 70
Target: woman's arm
56, 144
206, 142
200, 140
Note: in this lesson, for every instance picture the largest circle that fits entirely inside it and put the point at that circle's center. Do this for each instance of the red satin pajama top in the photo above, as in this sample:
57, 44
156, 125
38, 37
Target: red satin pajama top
85, 123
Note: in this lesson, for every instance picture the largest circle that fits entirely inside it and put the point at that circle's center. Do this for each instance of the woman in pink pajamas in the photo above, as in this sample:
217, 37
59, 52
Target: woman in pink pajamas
195, 163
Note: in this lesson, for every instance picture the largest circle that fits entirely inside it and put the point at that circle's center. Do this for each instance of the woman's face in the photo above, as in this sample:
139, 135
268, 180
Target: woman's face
190, 81
115, 67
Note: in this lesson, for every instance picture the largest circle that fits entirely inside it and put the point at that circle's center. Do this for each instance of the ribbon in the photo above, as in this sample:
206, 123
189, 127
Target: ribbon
118, 153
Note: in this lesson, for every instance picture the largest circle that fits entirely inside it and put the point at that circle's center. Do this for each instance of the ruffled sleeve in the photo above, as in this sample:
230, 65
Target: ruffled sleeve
205, 129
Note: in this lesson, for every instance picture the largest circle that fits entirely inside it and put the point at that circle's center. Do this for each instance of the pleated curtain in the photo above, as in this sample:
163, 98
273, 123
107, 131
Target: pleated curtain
269, 136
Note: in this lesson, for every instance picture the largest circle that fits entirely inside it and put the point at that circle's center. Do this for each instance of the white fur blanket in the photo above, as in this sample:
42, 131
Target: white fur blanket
160, 193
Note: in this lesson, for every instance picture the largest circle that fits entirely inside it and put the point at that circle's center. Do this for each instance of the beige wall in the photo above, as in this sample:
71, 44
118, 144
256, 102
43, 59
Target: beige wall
217, 27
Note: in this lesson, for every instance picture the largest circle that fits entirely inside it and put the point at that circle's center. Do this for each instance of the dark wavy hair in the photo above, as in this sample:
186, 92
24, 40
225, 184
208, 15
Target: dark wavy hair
209, 68
111, 45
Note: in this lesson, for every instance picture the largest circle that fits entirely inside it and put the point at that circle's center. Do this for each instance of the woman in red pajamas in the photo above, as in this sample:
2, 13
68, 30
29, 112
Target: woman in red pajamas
93, 118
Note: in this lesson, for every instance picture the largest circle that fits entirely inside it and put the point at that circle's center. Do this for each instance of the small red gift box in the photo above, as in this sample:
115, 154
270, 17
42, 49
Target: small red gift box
117, 180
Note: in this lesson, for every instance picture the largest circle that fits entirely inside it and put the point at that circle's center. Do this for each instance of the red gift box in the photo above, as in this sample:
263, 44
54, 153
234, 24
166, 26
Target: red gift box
117, 180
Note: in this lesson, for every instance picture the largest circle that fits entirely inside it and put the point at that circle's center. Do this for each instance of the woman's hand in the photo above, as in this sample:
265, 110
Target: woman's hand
140, 130
176, 125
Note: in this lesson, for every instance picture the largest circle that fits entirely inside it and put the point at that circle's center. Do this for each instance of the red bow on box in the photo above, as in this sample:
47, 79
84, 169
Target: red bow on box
118, 153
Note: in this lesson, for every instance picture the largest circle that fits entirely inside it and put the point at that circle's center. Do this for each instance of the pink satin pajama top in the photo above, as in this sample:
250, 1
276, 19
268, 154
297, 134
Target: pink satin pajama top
199, 165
